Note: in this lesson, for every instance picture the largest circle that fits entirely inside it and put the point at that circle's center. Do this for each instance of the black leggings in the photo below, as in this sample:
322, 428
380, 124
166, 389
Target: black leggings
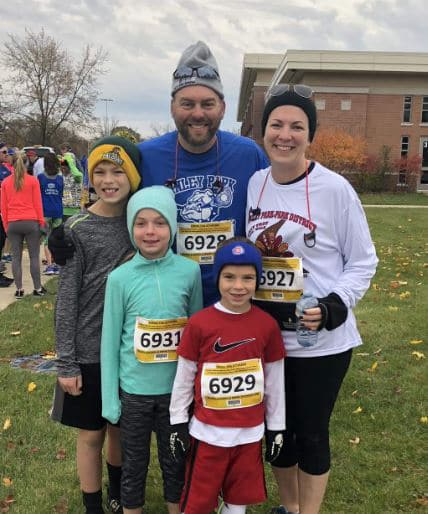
311, 388
142, 414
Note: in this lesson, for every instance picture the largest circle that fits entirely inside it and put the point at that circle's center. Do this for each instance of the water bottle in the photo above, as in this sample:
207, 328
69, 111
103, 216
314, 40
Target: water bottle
305, 337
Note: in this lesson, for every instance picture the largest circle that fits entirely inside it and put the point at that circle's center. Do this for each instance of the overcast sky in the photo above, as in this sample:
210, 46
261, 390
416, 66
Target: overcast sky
145, 38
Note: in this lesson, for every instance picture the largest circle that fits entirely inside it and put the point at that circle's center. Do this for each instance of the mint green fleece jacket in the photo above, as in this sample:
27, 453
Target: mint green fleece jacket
165, 288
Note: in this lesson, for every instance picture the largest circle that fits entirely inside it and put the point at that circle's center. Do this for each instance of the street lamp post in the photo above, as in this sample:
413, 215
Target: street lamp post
106, 100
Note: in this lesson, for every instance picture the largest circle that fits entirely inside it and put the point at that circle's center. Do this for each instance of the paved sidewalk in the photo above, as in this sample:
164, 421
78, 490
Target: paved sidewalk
7, 294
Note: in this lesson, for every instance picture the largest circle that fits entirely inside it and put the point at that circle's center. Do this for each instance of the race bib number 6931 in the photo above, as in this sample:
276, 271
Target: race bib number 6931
156, 340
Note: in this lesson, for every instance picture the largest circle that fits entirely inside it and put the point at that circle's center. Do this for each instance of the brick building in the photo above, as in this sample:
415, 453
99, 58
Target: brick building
380, 96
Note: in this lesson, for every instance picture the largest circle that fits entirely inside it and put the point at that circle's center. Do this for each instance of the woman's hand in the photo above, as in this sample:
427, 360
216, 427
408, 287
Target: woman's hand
312, 318
71, 385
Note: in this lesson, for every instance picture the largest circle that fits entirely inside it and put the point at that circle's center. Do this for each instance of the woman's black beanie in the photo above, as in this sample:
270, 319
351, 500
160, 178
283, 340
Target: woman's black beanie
292, 98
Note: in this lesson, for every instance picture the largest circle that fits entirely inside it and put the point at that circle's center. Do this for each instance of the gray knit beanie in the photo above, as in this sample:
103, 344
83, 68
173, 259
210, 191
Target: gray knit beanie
197, 67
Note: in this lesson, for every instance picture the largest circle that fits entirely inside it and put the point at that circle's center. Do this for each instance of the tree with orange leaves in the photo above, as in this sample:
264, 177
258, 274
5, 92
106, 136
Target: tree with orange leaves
338, 150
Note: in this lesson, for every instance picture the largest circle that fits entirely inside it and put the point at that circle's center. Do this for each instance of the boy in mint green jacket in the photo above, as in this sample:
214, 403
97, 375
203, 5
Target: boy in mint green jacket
148, 301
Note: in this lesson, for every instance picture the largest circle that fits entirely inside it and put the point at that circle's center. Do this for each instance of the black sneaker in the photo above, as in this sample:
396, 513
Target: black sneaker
114, 505
19, 294
5, 281
39, 292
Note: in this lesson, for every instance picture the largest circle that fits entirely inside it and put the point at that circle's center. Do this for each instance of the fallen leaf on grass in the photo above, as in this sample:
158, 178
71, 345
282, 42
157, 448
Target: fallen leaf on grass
423, 419
7, 482
373, 367
6, 503
362, 354
404, 295
416, 341
15, 333
355, 440
375, 287
354, 393
34, 450
422, 500
36, 306
378, 351
7, 424
61, 453
62, 506
10, 445
31, 387
357, 410
418, 355
49, 355
392, 308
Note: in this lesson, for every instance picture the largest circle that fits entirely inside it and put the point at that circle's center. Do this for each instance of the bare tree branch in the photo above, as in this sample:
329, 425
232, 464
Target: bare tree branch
46, 88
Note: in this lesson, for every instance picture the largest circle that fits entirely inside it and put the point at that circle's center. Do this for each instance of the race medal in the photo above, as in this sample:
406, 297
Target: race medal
199, 241
282, 279
156, 340
232, 385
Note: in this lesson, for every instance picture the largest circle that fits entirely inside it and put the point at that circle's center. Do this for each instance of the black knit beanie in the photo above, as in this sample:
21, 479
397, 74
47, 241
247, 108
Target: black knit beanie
292, 98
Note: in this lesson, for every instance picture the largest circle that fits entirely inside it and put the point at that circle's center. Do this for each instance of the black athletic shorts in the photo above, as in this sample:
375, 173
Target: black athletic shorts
83, 411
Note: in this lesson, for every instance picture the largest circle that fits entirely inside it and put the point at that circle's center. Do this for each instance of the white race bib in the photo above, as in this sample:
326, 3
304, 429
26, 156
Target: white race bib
199, 241
232, 385
156, 340
282, 279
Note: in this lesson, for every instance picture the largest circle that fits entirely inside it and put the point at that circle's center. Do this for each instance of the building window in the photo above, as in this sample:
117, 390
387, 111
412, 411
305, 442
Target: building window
424, 118
320, 105
407, 109
345, 105
402, 172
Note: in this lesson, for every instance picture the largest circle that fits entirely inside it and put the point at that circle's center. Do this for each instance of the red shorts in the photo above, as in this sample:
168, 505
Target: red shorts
237, 472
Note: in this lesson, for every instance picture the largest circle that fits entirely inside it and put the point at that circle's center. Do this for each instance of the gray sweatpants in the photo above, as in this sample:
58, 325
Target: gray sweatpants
30, 231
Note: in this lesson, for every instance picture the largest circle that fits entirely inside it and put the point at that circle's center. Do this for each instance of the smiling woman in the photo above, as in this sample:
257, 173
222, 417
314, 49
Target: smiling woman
309, 224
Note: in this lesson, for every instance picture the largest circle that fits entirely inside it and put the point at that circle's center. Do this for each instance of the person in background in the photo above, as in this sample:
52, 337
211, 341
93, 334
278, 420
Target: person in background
35, 163
72, 187
51, 186
6, 169
101, 242
22, 216
148, 301
310, 226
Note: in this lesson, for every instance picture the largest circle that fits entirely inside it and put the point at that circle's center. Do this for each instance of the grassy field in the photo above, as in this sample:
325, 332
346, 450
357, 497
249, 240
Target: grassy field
379, 427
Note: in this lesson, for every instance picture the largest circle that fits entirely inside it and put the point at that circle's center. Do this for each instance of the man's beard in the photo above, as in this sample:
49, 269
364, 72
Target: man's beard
203, 139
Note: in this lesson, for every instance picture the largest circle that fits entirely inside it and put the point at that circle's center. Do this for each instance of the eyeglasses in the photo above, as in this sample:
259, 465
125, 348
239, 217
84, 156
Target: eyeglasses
203, 72
300, 89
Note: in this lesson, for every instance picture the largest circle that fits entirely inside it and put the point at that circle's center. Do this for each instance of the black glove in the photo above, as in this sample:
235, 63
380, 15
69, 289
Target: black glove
333, 311
60, 246
179, 442
274, 439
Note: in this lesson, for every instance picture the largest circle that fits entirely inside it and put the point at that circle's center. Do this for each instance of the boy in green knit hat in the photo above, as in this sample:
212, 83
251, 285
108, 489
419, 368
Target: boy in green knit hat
113, 170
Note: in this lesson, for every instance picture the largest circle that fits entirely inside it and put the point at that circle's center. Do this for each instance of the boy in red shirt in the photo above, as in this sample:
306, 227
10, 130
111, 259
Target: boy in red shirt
230, 364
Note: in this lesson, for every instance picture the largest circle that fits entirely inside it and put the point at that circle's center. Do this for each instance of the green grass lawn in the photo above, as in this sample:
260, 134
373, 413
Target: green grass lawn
378, 436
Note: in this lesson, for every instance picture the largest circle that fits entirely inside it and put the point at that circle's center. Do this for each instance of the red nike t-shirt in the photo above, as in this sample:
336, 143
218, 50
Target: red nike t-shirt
214, 338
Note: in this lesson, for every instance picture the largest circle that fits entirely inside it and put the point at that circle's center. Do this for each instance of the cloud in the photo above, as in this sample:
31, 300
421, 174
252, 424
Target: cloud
144, 39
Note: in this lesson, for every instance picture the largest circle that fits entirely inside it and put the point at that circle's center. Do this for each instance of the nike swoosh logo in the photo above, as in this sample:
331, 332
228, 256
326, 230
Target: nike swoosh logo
219, 348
